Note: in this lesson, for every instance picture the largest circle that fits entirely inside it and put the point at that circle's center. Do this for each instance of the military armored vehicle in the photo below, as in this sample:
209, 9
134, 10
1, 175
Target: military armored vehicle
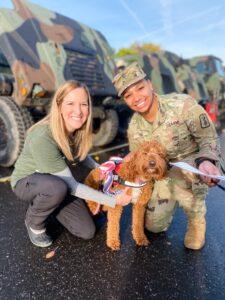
39, 50
201, 77
158, 69
189, 80
169, 73
213, 73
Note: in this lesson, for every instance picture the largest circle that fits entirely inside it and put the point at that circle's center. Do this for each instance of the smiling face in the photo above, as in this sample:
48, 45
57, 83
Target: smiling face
75, 109
151, 162
139, 96
147, 163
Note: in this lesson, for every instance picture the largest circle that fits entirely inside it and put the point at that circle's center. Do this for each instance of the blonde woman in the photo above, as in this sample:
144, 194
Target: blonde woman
42, 176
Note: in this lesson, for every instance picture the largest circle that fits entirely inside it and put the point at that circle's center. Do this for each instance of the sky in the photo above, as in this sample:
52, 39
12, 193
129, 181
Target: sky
186, 27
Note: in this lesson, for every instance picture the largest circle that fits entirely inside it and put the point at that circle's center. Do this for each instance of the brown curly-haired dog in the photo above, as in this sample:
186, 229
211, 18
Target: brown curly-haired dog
147, 164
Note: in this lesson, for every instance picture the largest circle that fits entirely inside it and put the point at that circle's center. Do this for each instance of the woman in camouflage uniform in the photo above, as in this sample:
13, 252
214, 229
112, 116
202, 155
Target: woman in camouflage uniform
184, 128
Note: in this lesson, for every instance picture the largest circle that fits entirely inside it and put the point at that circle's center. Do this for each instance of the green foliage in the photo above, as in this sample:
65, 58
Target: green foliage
146, 47
137, 48
125, 51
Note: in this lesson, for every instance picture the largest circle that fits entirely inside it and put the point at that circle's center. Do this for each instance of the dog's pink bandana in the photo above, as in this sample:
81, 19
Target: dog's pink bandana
107, 169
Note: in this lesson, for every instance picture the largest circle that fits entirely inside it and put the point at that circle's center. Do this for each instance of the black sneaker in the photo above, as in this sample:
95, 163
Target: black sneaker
38, 239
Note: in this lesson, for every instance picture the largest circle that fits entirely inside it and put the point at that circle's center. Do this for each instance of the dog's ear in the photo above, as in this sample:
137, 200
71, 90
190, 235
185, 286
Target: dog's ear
128, 157
128, 169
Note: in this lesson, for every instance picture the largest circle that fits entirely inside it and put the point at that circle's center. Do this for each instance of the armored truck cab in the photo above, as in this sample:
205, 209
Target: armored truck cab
213, 72
39, 50
212, 69
189, 80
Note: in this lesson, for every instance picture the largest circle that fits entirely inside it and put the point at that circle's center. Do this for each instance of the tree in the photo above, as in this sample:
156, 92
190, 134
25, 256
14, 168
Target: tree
137, 48
125, 51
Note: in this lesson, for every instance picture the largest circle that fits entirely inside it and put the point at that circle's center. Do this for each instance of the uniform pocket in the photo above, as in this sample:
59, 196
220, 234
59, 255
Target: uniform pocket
168, 136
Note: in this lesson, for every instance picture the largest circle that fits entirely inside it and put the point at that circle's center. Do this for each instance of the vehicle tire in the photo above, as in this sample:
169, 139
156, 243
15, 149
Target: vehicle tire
14, 122
123, 111
27, 118
106, 129
125, 114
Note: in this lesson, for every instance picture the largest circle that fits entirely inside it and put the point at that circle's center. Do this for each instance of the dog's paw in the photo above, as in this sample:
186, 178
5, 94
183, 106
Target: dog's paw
113, 244
93, 207
142, 241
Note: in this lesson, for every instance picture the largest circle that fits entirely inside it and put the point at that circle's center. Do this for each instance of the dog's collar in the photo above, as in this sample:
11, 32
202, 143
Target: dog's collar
110, 171
128, 183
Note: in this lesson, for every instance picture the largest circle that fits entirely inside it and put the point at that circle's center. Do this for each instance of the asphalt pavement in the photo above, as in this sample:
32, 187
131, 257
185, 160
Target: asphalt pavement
89, 270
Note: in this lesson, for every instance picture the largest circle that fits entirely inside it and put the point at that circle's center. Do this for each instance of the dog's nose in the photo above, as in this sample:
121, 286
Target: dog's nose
152, 163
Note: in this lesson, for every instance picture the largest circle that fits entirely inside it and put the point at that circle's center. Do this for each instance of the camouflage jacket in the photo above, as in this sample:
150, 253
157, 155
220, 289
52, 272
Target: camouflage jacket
182, 126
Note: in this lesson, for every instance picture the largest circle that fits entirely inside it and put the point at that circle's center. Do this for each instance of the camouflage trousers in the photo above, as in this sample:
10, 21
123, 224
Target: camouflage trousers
178, 188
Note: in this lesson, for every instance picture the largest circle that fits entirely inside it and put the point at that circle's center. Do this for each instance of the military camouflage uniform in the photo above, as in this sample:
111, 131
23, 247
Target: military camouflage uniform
184, 128
187, 133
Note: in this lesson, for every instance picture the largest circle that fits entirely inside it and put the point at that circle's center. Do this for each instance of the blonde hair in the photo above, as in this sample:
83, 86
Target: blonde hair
79, 145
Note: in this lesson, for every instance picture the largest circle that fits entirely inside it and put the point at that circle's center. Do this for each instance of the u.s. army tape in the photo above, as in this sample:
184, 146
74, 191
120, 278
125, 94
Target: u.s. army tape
187, 167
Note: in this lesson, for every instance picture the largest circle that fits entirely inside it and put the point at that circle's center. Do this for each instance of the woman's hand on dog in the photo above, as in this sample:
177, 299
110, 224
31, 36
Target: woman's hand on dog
123, 198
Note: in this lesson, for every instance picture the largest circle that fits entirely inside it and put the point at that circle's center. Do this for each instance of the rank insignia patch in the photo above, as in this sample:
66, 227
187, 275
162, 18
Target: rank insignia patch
204, 121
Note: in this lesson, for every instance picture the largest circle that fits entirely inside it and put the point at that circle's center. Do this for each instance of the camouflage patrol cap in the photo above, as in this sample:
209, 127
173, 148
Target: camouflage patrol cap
130, 75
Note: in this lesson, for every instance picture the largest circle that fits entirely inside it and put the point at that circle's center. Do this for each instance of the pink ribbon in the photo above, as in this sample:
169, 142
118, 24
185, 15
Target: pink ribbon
107, 169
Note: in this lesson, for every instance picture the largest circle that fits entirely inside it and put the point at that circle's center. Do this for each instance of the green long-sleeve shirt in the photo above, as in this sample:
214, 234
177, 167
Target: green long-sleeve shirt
41, 154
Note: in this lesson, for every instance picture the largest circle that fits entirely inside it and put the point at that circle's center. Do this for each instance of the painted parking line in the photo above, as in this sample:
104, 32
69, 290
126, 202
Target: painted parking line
109, 149
5, 179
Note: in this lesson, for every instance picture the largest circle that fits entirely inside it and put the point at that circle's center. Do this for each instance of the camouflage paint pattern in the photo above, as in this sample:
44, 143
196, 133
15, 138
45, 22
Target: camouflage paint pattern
189, 81
169, 73
44, 49
158, 69
187, 133
213, 74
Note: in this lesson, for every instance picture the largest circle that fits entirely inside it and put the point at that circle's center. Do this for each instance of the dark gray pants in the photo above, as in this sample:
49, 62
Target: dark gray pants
47, 194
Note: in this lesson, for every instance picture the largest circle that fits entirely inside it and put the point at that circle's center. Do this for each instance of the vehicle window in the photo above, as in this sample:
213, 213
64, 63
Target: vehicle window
4, 65
219, 67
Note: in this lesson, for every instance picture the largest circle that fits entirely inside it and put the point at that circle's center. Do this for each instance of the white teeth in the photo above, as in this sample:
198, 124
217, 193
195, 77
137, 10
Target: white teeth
76, 118
140, 103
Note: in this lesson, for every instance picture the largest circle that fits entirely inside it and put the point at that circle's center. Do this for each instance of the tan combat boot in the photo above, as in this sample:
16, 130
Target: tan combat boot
195, 234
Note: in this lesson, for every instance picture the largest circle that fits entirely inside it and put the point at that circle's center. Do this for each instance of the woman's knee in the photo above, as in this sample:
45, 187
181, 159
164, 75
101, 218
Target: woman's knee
88, 233
55, 187
76, 218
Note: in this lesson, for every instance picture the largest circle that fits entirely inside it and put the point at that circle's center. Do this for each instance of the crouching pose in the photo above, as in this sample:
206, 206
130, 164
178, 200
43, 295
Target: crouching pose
42, 176
184, 128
